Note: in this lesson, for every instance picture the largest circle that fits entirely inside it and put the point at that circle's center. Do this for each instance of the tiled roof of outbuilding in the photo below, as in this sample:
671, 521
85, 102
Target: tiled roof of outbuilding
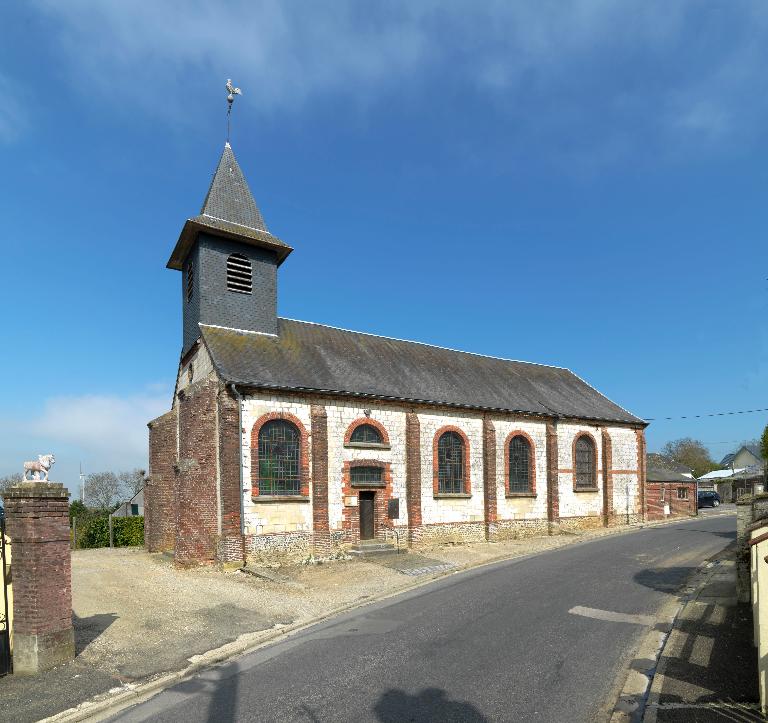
661, 474
313, 357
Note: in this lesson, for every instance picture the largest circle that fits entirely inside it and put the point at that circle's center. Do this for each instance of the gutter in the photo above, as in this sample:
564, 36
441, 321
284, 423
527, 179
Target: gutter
239, 398
555, 416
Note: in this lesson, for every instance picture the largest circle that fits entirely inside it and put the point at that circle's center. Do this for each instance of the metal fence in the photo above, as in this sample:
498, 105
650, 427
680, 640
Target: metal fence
6, 663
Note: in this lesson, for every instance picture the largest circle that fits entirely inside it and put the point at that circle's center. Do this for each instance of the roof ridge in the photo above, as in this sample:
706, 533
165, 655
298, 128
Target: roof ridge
436, 346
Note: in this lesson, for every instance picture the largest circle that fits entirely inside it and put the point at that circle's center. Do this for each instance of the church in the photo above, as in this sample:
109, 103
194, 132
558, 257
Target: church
287, 438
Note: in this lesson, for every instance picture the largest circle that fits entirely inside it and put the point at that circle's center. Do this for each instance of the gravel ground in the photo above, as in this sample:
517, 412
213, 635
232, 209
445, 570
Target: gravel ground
136, 616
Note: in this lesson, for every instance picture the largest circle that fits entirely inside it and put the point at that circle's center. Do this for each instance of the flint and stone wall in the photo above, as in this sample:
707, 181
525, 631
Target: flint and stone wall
196, 497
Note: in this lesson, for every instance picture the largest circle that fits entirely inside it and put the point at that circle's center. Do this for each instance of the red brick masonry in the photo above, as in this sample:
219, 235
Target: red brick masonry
38, 525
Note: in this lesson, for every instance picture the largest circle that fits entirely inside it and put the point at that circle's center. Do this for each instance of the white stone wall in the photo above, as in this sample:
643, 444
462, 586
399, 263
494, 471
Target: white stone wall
201, 365
578, 504
434, 511
263, 518
340, 416
521, 508
624, 445
270, 517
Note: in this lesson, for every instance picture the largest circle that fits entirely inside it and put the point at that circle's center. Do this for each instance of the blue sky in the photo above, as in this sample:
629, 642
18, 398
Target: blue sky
575, 183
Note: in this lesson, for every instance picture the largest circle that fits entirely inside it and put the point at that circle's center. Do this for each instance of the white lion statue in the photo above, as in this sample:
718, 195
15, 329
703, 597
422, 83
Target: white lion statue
43, 464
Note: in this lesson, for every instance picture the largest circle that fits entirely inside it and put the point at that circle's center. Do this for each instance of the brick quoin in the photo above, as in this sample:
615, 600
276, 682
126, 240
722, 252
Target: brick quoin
303, 450
197, 506
553, 482
435, 466
641, 470
38, 525
607, 476
231, 543
321, 538
350, 523
531, 464
489, 475
366, 420
413, 475
159, 495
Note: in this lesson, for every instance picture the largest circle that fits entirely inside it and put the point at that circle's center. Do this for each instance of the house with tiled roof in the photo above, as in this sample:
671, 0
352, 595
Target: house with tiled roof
288, 437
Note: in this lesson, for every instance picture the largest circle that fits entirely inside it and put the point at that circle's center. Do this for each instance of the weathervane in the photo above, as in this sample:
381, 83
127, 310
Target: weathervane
232, 92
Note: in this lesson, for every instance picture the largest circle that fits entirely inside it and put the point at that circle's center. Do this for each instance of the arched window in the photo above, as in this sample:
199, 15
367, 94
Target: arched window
239, 274
520, 465
279, 458
585, 467
190, 280
450, 463
366, 434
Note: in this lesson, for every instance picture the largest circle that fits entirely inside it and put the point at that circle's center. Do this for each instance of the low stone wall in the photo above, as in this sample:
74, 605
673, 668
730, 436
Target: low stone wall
518, 529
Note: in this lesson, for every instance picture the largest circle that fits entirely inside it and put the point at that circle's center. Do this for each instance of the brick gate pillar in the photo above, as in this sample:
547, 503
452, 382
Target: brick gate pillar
38, 525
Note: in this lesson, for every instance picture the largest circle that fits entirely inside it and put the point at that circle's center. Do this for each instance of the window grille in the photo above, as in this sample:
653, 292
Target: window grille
682, 493
366, 434
279, 459
450, 463
239, 274
585, 463
519, 464
366, 475
190, 280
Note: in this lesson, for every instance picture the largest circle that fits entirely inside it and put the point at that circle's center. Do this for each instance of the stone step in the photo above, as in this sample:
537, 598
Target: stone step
369, 549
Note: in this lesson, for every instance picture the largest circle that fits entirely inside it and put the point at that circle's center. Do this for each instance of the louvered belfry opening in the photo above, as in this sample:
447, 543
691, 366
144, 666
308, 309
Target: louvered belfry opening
190, 280
239, 274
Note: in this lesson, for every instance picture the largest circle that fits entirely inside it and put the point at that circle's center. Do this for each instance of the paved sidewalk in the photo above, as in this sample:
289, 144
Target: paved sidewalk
707, 670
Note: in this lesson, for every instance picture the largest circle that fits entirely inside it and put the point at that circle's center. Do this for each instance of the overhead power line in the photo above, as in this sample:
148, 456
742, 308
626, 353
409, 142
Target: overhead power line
713, 414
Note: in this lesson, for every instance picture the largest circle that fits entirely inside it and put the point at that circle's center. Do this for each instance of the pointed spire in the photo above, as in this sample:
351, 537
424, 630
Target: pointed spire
229, 198
228, 211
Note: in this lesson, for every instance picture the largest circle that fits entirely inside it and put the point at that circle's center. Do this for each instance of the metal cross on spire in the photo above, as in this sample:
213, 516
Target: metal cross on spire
231, 93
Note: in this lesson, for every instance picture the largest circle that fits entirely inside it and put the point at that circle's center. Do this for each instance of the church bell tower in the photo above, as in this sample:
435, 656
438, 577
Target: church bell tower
228, 259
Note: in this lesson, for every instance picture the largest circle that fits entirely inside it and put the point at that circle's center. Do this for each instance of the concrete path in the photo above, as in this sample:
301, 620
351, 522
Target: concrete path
544, 638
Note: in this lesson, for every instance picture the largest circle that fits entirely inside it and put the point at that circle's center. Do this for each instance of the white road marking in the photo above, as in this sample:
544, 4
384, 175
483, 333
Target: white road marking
647, 620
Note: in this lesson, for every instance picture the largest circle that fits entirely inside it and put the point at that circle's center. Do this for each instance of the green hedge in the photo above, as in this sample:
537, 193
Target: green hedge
93, 531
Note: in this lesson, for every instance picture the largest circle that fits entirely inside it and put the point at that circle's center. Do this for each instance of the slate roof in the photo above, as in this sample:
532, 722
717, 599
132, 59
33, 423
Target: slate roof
753, 449
660, 474
313, 357
654, 459
229, 210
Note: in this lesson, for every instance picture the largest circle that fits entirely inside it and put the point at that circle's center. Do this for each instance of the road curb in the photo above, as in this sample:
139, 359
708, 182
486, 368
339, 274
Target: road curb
637, 692
128, 695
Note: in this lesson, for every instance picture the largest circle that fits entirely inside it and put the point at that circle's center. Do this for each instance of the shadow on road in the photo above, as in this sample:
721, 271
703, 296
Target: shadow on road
728, 535
88, 629
663, 579
223, 704
429, 705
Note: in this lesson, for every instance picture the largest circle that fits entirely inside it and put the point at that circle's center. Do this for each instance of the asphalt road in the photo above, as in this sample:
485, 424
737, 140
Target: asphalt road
499, 643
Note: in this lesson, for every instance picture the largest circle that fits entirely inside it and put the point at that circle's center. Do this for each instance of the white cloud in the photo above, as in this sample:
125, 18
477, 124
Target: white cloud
103, 432
601, 73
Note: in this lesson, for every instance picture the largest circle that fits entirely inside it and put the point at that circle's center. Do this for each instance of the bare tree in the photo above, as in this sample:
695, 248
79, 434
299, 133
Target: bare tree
131, 481
9, 481
690, 452
102, 490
